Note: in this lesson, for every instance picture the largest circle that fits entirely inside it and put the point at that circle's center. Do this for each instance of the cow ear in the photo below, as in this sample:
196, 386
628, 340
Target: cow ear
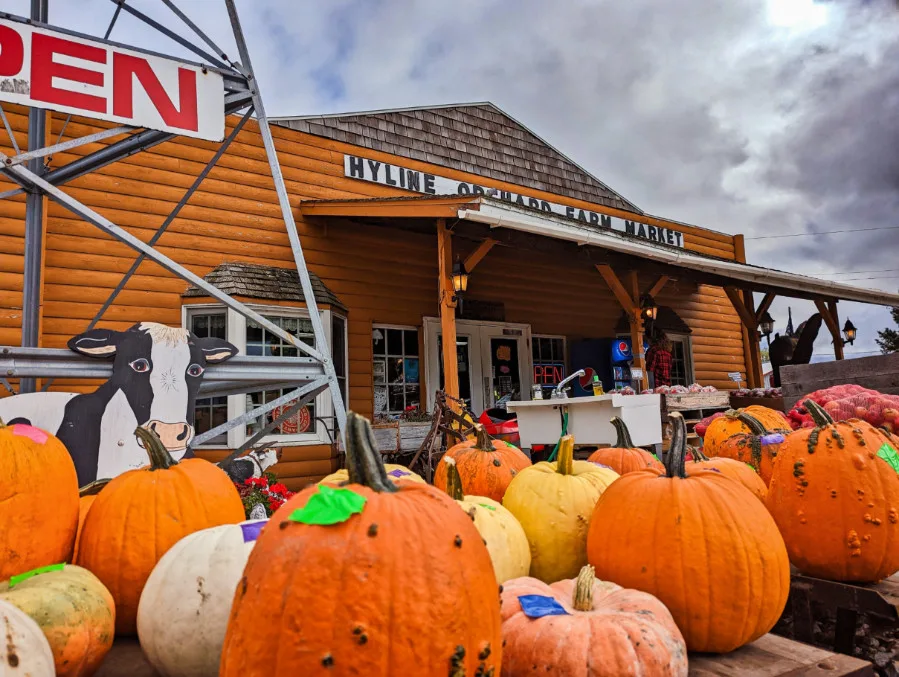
216, 350
95, 343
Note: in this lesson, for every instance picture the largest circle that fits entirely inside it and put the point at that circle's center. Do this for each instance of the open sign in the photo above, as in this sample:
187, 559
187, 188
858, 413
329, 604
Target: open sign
47, 69
548, 374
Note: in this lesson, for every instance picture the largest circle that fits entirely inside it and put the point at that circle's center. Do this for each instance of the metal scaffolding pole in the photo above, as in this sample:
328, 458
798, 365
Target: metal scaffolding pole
34, 225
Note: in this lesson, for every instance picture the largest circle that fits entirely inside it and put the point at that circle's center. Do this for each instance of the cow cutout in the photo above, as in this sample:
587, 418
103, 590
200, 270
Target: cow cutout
155, 380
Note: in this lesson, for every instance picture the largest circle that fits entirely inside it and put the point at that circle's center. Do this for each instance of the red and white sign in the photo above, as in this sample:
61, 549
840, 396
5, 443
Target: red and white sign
298, 423
46, 69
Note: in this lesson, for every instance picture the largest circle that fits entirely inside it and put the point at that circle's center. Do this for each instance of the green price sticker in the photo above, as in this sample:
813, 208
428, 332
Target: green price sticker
489, 507
888, 454
329, 506
15, 580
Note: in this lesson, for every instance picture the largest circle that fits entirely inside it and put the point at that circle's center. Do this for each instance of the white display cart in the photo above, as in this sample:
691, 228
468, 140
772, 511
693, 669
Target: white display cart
540, 421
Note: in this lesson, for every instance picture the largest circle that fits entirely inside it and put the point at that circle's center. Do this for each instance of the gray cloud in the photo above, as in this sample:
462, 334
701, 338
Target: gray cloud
699, 110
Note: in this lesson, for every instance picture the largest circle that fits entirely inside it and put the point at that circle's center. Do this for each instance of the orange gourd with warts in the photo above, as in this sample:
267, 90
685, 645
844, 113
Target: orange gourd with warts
624, 457
736, 470
737, 421
486, 466
372, 578
705, 524
758, 447
835, 496
142, 513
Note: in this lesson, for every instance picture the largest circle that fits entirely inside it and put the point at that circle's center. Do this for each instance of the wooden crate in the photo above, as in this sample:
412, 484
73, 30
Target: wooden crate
695, 401
770, 402
879, 373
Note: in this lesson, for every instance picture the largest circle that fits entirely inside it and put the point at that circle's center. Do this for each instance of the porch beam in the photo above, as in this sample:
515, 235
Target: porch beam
617, 288
736, 300
478, 254
764, 306
636, 322
658, 285
838, 337
832, 326
447, 309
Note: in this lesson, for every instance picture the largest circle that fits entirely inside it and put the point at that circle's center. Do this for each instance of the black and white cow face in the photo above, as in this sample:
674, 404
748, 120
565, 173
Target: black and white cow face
159, 369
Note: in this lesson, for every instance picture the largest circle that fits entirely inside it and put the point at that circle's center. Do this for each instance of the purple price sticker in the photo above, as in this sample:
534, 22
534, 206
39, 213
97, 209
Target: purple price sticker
251, 530
399, 472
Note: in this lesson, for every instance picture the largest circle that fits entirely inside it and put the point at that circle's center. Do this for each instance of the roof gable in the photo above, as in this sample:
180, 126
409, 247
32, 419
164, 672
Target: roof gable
477, 138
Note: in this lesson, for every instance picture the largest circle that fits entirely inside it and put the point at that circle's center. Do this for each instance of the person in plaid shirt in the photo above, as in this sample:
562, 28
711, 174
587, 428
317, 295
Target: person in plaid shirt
658, 361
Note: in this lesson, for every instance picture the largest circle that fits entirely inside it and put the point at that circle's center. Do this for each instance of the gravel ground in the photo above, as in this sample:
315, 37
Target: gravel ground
876, 639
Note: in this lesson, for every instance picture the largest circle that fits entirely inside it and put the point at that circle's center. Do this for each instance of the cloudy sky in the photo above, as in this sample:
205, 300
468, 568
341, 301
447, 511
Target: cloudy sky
766, 117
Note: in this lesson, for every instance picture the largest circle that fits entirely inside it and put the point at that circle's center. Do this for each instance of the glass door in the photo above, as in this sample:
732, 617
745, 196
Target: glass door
467, 358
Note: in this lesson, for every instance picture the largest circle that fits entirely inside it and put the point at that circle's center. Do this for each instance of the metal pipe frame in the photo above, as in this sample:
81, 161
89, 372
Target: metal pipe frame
265, 430
311, 389
287, 213
234, 377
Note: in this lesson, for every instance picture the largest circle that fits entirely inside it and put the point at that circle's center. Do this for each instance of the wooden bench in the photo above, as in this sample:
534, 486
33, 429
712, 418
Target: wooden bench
845, 600
770, 656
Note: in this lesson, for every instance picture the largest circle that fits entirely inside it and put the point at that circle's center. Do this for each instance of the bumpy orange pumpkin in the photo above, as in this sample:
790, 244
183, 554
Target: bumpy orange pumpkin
369, 579
698, 543
601, 630
624, 457
142, 513
38, 500
736, 470
737, 421
758, 447
835, 497
485, 465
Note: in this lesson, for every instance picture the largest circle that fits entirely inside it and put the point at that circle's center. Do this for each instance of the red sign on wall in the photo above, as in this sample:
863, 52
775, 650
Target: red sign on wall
548, 374
47, 69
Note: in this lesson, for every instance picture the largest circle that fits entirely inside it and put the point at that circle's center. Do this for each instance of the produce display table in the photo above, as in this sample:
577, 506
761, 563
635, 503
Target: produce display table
694, 407
770, 656
845, 600
540, 421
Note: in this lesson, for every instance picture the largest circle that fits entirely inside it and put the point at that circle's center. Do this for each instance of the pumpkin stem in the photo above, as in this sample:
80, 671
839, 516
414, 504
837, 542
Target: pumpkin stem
583, 589
818, 413
755, 426
483, 442
453, 479
565, 462
624, 440
698, 455
675, 459
364, 463
93, 488
160, 458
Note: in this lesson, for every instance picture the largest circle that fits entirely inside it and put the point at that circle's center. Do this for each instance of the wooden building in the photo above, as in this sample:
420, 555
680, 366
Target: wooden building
386, 203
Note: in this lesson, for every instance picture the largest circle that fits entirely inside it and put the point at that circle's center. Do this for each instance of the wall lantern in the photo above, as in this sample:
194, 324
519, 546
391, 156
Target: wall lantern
460, 279
648, 308
766, 324
849, 331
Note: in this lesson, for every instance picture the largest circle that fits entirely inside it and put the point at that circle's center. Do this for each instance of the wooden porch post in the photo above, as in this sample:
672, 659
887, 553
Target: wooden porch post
447, 309
636, 321
752, 354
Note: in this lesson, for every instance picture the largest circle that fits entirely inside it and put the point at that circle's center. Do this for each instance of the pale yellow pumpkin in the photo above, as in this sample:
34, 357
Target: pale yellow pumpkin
506, 541
553, 503
394, 472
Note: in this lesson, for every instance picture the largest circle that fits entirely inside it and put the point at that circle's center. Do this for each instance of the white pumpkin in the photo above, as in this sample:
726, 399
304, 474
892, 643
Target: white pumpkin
504, 536
184, 607
24, 650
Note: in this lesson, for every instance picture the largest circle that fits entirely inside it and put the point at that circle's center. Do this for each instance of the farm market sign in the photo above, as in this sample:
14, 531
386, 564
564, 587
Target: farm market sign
385, 174
48, 69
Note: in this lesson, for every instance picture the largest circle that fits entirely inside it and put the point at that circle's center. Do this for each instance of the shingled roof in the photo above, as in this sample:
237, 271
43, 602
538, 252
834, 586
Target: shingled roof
477, 138
265, 282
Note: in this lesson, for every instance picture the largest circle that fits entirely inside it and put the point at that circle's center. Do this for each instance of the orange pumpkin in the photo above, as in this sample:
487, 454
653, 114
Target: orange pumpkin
835, 496
142, 513
88, 494
485, 465
371, 579
696, 542
38, 500
736, 470
737, 421
624, 457
607, 630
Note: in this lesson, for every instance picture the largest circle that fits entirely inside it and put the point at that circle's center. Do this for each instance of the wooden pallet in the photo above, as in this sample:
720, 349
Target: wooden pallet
770, 656
845, 600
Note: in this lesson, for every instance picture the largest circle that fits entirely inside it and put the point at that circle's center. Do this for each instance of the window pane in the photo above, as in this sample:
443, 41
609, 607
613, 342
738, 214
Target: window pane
394, 341
410, 370
380, 400
379, 371
378, 341
395, 398
413, 399
558, 350
200, 325
254, 332
410, 342
338, 344
395, 370
208, 325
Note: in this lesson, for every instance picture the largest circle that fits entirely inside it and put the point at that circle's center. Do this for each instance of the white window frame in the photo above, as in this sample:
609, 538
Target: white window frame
423, 401
558, 337
236, 332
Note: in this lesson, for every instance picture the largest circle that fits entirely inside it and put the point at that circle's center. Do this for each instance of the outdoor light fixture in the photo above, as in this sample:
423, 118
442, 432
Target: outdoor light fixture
849, 331
766, 325
460, 278
648, 308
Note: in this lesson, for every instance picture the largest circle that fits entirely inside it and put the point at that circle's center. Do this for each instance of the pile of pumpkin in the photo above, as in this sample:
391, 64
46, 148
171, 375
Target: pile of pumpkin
616, 565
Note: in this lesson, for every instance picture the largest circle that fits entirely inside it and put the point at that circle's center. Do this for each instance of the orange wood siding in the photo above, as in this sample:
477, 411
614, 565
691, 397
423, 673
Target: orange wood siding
381, 275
